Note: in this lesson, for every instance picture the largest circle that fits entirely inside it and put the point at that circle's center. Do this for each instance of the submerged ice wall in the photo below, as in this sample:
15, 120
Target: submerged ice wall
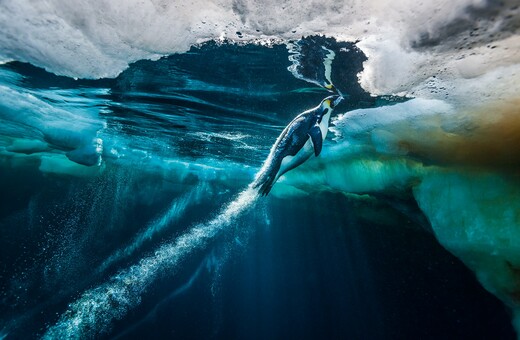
460, 166
454, 147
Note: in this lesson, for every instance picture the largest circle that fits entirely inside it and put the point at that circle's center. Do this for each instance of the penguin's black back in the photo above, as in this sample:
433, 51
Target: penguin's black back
290, 141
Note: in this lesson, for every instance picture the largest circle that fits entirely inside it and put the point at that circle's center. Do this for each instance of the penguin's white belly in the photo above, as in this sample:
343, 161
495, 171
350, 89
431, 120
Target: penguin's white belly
291, 162
324, 126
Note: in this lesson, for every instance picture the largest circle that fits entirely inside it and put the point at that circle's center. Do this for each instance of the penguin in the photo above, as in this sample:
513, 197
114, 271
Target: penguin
300, 139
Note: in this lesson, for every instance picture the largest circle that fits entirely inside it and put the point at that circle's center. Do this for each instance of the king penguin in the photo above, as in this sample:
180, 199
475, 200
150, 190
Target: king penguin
299, 140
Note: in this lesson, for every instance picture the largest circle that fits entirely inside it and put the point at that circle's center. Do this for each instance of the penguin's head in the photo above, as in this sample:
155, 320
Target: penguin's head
331, 102
331, 88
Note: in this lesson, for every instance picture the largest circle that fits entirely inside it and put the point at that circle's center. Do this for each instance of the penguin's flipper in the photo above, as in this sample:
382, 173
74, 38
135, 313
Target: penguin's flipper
317, 139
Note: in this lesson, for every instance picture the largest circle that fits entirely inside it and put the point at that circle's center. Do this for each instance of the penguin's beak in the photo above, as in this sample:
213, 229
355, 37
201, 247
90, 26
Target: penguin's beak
336, 101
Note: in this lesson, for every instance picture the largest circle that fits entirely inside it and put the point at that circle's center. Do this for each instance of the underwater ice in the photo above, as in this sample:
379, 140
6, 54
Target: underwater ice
471, 196
36, 126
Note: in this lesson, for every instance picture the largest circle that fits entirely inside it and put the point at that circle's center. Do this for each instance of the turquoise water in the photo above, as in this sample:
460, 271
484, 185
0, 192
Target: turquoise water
127, 154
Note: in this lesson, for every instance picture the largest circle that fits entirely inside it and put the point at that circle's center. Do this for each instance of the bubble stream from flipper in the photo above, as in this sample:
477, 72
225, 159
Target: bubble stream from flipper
97, 308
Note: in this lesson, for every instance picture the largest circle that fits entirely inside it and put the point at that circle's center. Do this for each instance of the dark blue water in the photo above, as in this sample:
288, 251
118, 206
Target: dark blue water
98, 175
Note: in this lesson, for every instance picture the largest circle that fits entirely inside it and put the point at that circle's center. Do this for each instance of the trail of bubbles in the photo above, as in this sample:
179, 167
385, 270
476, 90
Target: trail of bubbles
173, 214
151, 314
97, 308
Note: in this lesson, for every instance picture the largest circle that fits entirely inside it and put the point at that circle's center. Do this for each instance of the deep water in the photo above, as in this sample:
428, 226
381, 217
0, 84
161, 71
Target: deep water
346, 278
323, 266
100, 179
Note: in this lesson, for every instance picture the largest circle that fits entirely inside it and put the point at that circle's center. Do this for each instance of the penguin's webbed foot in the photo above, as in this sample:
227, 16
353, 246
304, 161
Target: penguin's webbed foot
265, 185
